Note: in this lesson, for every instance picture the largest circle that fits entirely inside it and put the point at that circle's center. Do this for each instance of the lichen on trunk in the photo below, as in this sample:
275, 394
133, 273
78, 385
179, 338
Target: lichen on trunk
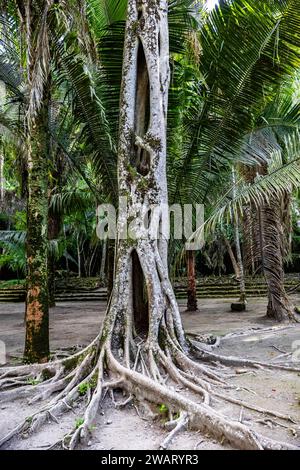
142, 169
36, 314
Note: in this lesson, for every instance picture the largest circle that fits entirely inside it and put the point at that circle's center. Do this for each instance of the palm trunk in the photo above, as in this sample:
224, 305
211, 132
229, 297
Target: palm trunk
37, 302
37, 117
249, 236
279, 307
192, 305
268, 248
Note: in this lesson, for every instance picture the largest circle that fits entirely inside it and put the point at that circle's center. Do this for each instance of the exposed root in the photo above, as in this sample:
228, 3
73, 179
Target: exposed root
256, 330
258, 409
202, 417
149, 372
178, 425
208, 356
160, 365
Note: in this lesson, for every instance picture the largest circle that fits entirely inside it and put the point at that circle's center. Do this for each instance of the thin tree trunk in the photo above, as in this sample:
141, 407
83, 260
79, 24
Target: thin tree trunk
66, 253
249, 236
232, 258
103, 260
240, 262
2, 181
238, 247
110, 267
78, 256
91, 261
53, 233
192, 305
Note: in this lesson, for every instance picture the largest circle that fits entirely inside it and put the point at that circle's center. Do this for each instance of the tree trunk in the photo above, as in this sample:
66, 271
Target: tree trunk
37, 118
37, 306
232, 258
103, 260
240, 262
66, 252
78, 255
2, 181
238, 247
192, 305
268, 248
142, 180
53, 233
110, 267
279, 307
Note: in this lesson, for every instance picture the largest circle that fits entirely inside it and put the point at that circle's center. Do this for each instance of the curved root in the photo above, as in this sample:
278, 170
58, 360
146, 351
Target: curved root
178, 425
208, 356
142, 372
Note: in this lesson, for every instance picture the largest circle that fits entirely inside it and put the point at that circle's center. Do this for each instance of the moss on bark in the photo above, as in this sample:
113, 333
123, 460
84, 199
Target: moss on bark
37, 301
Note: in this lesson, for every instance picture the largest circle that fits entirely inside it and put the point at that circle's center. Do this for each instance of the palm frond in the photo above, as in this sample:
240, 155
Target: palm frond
247, 50
281, 178
72, 200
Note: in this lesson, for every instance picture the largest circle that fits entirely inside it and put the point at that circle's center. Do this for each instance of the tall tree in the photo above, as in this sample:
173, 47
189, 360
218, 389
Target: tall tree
237, 241
34, 17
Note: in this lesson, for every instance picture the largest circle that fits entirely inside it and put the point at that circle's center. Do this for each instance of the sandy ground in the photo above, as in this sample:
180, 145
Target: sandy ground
77, 323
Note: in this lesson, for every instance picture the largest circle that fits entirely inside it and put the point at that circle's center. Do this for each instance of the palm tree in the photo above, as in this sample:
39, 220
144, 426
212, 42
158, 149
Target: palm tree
217, 122
265, 199
35, 22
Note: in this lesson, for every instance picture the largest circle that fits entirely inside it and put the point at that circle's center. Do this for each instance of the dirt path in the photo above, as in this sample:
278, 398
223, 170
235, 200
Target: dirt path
76, 324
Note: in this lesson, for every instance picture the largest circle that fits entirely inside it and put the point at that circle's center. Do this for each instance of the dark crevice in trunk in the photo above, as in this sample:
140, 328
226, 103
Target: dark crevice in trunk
142, 112
192, 305
110, 266
139, 294
148, 219
159, 46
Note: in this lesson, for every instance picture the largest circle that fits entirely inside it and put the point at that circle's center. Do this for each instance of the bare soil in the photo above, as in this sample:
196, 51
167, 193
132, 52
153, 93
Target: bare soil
78, 323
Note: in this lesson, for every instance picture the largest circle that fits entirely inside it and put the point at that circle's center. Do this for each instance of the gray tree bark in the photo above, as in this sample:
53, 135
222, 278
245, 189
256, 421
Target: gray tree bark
142, 175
